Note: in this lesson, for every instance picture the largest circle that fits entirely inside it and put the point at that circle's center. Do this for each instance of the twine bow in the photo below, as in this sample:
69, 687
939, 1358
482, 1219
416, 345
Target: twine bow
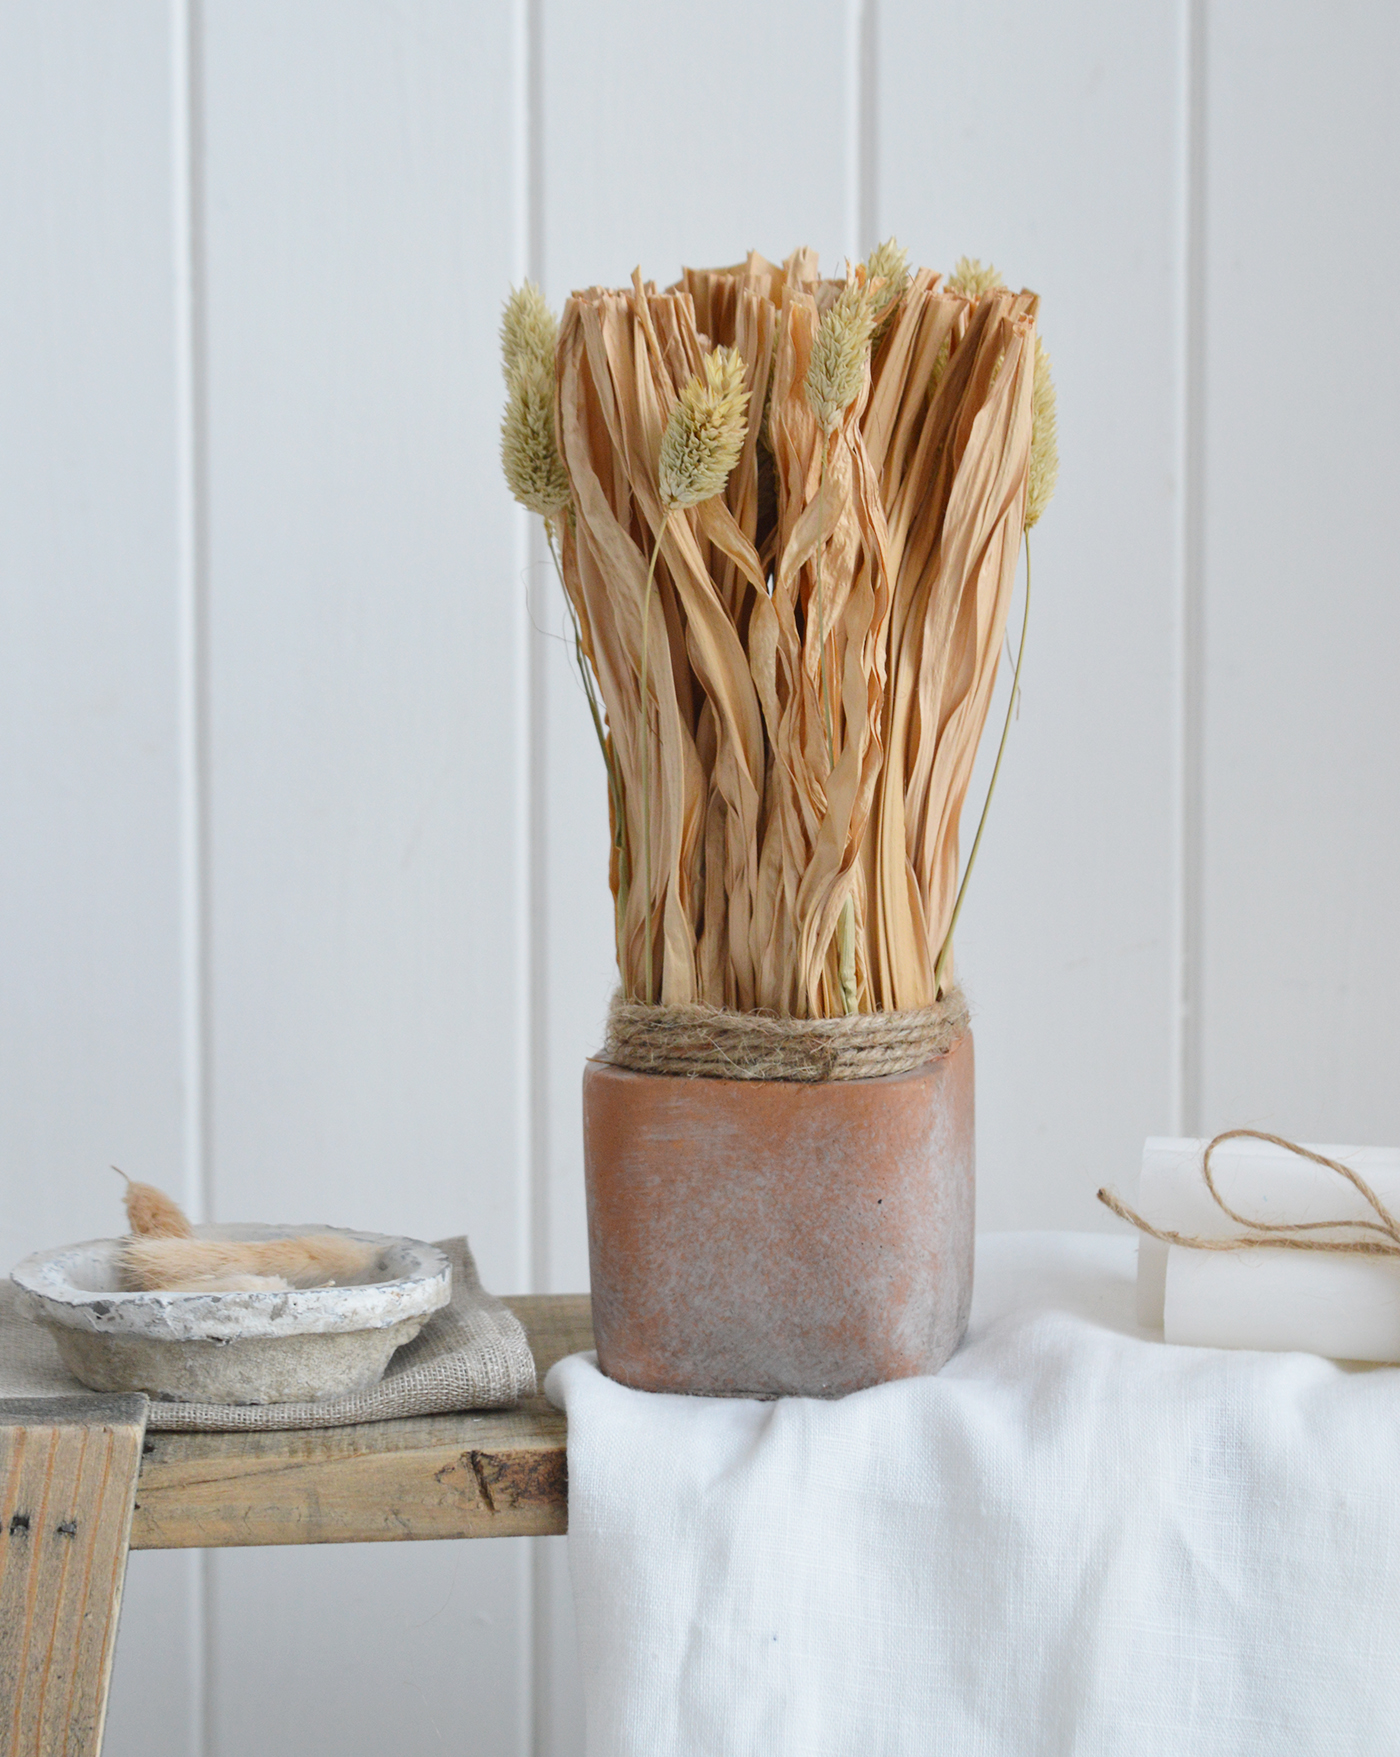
1278, 1234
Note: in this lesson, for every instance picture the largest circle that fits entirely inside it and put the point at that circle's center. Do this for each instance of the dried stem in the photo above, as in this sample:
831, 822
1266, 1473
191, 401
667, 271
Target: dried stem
846, 926
756, 865
585, 672
821, 606
580, 659
992, 784
646, 757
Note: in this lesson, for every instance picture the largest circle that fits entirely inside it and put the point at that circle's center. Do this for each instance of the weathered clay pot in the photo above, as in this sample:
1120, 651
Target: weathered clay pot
769, 1238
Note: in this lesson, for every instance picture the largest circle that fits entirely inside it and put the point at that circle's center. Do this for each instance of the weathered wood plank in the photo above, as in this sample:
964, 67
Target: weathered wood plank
68, 1470
555, 1323
443, 1476
494, 1474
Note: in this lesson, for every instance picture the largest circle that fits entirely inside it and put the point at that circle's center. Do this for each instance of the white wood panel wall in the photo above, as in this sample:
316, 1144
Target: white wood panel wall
302, 893
1048, 140
95, 1026
368, 897
1299, 952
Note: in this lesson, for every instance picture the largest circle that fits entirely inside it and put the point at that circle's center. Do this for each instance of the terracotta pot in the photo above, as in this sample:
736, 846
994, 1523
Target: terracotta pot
768, 1238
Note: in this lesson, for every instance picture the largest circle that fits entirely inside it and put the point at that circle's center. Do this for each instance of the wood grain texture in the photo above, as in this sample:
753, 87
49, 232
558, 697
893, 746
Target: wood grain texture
492, 1474
68, 1470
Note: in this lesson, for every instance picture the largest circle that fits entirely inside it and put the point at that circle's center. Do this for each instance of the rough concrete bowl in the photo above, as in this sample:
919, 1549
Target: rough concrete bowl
294, 1346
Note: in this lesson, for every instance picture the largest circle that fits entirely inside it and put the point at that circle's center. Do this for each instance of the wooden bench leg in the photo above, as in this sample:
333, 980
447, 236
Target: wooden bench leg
68, 1469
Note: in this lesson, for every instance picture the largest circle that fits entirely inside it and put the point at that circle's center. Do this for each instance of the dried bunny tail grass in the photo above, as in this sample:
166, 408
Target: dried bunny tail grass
228, 1284
972, 280
837, 366
887, 265
529, 331
705, 433
155, 1264
1044, 470
151, 1213
534, 471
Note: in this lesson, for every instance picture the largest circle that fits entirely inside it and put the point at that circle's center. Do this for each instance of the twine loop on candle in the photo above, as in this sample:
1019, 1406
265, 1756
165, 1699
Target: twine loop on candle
1278, 1234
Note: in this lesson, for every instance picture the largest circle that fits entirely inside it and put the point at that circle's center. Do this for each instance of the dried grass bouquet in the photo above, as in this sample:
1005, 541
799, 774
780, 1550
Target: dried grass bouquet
787, 513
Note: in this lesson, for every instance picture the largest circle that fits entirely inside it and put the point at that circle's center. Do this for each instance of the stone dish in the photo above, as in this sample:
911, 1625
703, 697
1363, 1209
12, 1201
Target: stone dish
292, 1346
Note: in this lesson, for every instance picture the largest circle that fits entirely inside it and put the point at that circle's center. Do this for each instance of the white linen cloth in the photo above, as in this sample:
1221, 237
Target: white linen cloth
1075, 1539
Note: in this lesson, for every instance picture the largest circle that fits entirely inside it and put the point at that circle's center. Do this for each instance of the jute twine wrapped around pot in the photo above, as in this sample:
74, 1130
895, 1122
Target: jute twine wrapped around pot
713, 1043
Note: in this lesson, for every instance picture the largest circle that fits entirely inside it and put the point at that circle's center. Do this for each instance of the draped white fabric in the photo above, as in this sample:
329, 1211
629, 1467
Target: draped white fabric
1076, 1538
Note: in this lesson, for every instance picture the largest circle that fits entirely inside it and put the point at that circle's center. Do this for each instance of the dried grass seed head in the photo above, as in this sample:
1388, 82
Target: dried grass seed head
529, 331
705, 432
534, 470
1044, 469
940, 365
836, 369
886, 275
972, 280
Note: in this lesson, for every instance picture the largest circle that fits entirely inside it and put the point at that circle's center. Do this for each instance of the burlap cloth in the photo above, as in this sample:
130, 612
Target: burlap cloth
473, 1354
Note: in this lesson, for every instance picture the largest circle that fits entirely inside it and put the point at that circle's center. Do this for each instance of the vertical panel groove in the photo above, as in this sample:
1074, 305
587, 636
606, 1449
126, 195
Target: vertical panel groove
868, 141
193, 606
862, 74
1187, 1023
534, 136
852, 96
529, 135
193, 671
531, 172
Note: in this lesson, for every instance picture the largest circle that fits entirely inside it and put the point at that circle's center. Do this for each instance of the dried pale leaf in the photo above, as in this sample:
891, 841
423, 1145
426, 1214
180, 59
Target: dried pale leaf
825, 625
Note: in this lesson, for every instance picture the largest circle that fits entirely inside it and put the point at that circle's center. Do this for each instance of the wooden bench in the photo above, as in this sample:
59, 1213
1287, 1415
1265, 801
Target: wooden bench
81, 1482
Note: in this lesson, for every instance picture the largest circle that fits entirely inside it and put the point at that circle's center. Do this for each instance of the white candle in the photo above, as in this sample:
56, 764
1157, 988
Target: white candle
1151, 1281
1345, 1306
